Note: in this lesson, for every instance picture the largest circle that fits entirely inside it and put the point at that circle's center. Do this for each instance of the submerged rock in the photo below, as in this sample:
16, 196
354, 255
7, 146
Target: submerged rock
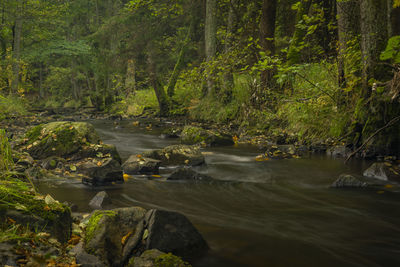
188, 174
338, 151
385, 171
177, 155
136, 164
280, 152
154, 258
193, 135
100, 200
349, 181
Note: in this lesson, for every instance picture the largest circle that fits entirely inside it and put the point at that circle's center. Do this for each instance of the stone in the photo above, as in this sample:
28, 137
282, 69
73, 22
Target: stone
281, 151
52, 162
349, 181
7, 255
338, 151
137, 164
177, 155
97, 151
188, 174
100, 200
103, 173
194, 135
172, 232
154, 257
85, 259
385, 171
59, 139
106, 229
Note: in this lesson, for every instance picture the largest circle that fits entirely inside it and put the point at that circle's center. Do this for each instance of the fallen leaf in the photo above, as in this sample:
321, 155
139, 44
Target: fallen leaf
126, 177
388, 186
145, 234
74, 240
156, 175
125, 237
99, 163
380, 192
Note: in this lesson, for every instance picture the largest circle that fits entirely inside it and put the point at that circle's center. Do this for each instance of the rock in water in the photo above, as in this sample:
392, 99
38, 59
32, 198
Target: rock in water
348, 181
100, 200
188, 174
383, 171
137, 164
193, 135
154, 257
172, 232
177, 155
101, 174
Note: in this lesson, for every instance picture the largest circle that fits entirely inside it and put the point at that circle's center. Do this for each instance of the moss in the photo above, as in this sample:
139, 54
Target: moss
169, 260
34, 133
93, 224
194, 135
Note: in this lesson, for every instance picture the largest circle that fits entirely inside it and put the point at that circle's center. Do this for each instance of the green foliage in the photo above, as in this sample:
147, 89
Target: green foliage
136, 104
11, 106
93, 224
6, 160
392, 51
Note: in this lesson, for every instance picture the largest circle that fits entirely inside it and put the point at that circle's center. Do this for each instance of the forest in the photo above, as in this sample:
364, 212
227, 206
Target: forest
303, 82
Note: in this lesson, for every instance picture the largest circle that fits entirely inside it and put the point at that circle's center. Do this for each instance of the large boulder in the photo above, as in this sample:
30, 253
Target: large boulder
385, 171
136, 164
59, 139
193, 135
349, 181
172, 232
107, 231
188, 175
177, 155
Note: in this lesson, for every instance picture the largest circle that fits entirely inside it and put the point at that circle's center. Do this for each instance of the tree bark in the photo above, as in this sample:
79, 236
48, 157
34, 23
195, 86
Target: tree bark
395, 21
299, 33
16, 55
267, 35
373, 40
348, 16
162, 98
130, 77
210, 38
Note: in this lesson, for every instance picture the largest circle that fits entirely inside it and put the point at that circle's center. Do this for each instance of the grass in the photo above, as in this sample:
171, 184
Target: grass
11, 106
6, 160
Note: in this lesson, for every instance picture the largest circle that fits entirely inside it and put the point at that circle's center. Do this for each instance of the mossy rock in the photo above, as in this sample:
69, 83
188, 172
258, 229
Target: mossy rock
177, 155
194, 135
156, 258
25, 207
59, 139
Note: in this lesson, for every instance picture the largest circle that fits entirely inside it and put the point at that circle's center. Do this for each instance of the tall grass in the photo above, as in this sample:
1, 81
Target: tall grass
11, 106
6, 160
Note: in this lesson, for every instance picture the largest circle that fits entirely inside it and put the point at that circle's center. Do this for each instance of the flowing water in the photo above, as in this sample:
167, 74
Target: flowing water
272, 213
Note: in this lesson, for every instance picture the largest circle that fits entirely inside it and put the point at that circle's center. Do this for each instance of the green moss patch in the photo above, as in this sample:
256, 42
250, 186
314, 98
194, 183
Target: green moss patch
93, 224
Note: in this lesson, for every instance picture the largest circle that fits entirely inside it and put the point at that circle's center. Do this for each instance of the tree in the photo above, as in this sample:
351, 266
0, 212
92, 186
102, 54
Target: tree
210, 38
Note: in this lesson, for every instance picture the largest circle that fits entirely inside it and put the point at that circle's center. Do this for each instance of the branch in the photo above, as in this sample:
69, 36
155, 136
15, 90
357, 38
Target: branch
316, 86
390, 123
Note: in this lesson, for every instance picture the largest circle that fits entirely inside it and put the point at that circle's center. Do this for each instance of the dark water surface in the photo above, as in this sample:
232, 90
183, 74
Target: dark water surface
273, 213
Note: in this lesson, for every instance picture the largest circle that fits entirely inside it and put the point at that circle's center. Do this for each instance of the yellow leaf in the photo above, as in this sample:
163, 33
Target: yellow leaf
126, 177
29, 146
125, 237
380, 192
139, 156
388, 186
157, 176
99, 163
47, 208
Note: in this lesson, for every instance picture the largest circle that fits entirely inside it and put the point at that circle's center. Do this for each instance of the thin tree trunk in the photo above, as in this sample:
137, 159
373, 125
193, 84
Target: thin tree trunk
130, 79
299, 33
267, 38
373, 40
395, 21
179, 63
16, 50
162, 98
210, 38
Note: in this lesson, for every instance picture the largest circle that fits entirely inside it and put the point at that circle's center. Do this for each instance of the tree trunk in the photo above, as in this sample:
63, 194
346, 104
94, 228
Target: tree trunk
348, 16
230, 31
267, 35
299, 33
162, 98
179, 63
130, 78
210, 38
395, 21
16, 50
373, 41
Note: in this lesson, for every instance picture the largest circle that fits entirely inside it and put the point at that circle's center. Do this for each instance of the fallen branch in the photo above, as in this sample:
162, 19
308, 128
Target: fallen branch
390, 123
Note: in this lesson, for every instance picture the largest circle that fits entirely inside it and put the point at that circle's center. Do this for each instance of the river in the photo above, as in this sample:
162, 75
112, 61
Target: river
271, 213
